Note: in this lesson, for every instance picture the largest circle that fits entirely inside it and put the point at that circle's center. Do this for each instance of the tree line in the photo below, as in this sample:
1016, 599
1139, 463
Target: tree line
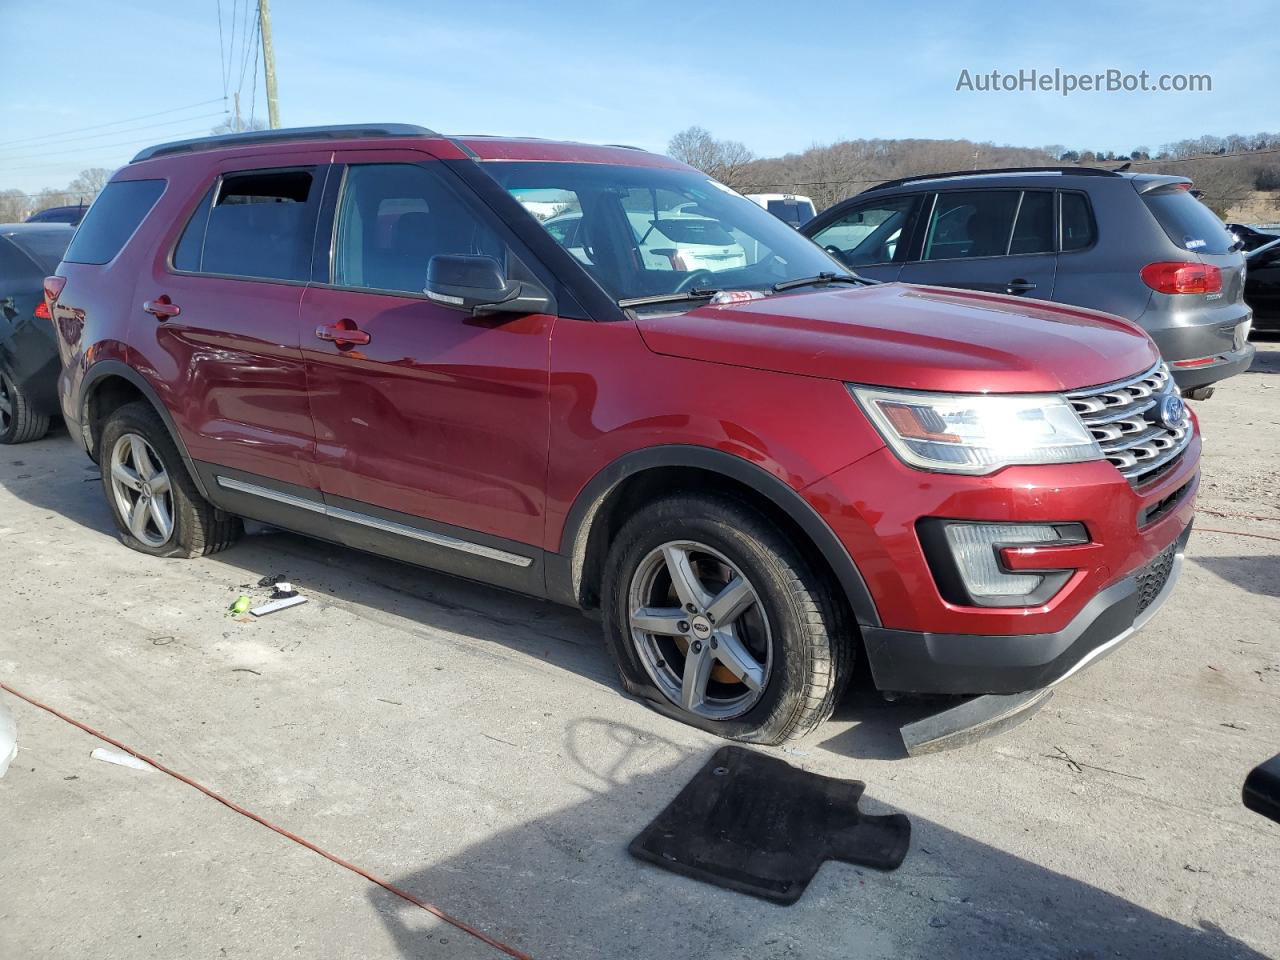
1227, 170
16, 206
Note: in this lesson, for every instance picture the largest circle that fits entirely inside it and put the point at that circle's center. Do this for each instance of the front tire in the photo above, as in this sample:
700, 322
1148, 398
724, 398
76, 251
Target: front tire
713, 614
18, 422
157, 508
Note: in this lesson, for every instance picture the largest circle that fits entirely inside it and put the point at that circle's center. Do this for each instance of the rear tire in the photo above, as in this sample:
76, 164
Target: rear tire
18, 422
781, 653
157, 508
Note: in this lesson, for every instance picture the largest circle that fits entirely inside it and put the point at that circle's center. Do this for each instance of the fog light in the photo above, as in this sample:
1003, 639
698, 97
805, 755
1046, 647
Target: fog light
971, 564
975, 548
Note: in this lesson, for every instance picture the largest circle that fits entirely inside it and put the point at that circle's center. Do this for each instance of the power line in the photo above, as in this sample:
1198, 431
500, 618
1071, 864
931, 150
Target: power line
253, 89
39, 148
1208, 156
222, 52
839, 183
113, 123
249, 46
145, 141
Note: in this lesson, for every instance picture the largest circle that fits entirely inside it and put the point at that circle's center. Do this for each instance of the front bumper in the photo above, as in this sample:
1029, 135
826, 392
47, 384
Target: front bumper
906, 661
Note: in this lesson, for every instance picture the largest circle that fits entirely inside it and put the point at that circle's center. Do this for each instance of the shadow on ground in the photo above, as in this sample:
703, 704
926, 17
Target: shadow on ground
1260, 575
563, 886
71, 486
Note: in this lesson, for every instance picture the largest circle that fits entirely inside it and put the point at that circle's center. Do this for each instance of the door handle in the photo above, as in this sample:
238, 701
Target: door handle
162, 308
344, 333
1019, 286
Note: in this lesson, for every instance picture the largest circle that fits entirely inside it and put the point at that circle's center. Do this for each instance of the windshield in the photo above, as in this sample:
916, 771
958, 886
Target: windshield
644, 231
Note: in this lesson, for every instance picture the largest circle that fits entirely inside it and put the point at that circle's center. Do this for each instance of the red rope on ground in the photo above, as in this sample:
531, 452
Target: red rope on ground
359, 871
1237, 533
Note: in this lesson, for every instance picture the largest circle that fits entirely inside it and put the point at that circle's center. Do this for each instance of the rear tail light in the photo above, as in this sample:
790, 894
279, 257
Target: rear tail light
1178, 277
52, 290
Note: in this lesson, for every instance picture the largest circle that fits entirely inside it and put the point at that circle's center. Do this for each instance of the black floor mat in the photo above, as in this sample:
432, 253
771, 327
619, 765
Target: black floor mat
755, 824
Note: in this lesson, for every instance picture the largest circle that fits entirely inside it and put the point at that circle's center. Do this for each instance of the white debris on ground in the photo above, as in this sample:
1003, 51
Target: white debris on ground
8, 739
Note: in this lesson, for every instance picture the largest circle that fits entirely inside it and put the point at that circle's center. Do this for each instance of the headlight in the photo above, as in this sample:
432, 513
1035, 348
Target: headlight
977, 433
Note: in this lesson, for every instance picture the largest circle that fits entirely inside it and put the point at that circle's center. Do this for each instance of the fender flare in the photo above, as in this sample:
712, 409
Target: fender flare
564, 571
116, 368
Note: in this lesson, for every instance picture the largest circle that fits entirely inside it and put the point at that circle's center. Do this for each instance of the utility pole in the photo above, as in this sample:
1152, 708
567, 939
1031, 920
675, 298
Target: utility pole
268, 63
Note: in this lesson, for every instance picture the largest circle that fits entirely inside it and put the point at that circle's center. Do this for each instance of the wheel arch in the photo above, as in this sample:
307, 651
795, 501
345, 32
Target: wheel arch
109, 385
575, 572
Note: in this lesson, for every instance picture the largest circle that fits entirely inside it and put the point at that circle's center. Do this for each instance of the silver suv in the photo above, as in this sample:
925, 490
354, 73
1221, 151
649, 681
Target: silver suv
1137, 245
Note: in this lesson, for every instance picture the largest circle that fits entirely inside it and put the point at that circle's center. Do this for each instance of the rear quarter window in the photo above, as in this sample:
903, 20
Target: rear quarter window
111, 221
1188, 222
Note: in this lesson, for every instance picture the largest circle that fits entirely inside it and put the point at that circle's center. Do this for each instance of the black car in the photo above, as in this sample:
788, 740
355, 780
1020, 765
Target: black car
69, 215
1138, 245
29, 364
1262, 285
1250, 238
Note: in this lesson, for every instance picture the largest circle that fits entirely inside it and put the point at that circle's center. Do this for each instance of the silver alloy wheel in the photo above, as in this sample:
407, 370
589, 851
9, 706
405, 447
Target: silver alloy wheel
700, 630
142, 491
6, 402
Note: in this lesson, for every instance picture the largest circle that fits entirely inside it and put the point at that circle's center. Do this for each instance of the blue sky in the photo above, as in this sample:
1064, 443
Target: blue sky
777, 76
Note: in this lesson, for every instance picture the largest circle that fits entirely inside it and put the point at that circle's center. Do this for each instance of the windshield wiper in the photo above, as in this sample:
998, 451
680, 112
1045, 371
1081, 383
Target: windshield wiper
668, 298
821, 278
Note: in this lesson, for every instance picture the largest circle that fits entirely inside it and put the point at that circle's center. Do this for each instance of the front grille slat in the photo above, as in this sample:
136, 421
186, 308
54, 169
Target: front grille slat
1122, 419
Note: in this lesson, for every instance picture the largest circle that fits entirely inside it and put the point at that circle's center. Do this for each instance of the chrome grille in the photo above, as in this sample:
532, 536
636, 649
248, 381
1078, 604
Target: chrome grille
1123, 419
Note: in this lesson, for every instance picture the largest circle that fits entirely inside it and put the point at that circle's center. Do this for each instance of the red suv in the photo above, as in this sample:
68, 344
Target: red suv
592, 374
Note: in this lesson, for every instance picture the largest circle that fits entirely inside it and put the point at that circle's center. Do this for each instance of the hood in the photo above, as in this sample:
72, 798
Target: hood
912, 337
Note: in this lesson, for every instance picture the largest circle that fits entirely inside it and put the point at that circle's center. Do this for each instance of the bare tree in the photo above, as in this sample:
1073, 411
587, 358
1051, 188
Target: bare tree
89, 184
14, 206
722, 159
229, 126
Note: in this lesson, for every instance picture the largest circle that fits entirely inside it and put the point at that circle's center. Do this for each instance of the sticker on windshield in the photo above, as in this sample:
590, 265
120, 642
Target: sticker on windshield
1196, 244
726, 297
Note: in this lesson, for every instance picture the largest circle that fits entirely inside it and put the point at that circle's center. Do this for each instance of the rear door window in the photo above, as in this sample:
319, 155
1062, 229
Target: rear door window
112, 219
1078, 230
967, 224
1187, 221
256, 224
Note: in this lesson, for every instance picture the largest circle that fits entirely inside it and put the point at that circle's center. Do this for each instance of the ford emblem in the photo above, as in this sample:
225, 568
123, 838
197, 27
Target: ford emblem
1171, 410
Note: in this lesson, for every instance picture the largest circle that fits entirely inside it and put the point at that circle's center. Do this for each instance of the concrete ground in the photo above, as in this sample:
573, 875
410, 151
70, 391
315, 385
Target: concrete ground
474, 748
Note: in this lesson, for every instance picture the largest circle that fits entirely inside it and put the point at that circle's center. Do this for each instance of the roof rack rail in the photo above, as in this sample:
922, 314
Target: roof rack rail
626, 146
1081, 171
340, 131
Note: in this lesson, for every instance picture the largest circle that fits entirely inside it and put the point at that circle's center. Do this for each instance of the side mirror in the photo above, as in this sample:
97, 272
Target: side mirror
479, 284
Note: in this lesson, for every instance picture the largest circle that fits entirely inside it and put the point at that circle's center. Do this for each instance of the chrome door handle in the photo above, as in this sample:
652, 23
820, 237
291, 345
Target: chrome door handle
344, 333
162, 308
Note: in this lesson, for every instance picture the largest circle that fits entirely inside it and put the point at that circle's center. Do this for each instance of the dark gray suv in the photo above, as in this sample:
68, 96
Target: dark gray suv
1137, 245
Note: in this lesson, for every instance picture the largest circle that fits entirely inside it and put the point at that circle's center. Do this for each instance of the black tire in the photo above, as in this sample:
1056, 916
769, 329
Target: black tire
198, 528
18, 422
813, 643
